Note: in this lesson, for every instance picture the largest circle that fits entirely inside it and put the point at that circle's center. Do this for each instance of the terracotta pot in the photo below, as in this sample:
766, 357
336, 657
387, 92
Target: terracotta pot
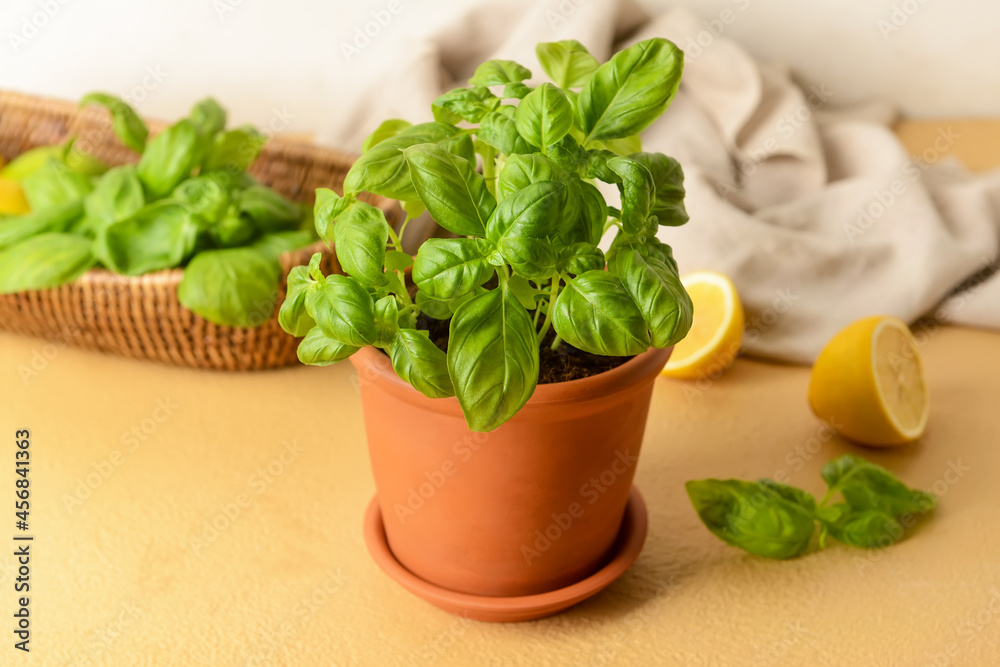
534, 505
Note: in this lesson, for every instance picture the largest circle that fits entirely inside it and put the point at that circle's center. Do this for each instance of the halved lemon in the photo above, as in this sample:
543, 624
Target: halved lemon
868, 383
716, 331
12, 200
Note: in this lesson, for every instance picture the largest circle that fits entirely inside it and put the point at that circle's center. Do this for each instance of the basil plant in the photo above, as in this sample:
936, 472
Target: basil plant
508, 169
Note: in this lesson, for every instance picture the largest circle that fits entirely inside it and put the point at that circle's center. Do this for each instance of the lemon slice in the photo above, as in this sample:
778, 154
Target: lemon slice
12, 200
868, 383
716, 331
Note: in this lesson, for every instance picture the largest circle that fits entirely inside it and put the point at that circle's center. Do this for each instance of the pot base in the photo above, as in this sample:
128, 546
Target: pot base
631, 537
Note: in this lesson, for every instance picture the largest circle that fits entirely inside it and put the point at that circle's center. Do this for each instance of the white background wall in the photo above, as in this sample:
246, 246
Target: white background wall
268, 58
930, 57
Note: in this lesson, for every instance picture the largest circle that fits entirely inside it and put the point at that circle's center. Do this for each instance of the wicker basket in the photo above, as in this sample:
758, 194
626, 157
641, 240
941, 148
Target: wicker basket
140, 317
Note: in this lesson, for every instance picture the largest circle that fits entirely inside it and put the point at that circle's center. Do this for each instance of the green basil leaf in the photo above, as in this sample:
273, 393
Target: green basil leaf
31, 161
457, 302
492, 358
470, 104
44, 261
293, 316
118, 195
169, 158
568, 63
388, 129
203, 196
668, 177
657, 290
651, 249
81, 162
426, 133
208, 117
235, 150
360, 237
408, 318
382, 169
319, 349
446, 268
834, 471
523, 291
867, 529
497, 72
158, 236
235, 287
433, 307
568, 154
417, 360
624, 146
269, 210
663, 252
316, 267
233, 183
595, 313
534, 259
328, 206
56, 219
501, 133
54, 184
386, 321
461, 145
394, 285
413, 209
232, 229
454, 193
597, 166
397, 260
532, 212
544, 116
579, 258
627, 93
866, 486
752, 517
445, 115
344, 309
515, 91
638, 191
520, 171
278, 243
125, 122
593, 213
792, 494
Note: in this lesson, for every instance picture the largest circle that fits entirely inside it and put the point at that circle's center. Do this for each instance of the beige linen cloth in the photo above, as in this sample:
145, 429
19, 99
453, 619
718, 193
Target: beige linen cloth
815, 211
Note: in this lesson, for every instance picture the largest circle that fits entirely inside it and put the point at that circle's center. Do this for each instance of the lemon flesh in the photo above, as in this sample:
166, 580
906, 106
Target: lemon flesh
12, 199
716, 330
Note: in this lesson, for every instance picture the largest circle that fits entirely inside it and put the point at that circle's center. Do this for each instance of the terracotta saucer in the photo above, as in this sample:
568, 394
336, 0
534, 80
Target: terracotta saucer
631, 537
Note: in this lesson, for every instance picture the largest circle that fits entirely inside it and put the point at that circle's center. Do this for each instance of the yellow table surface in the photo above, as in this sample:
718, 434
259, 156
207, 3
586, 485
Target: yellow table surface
133, 463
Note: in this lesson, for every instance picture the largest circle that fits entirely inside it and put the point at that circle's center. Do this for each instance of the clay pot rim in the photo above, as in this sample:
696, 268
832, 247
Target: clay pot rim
633, 371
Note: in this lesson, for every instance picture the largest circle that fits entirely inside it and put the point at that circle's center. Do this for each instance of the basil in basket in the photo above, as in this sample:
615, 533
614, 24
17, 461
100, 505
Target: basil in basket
188, 202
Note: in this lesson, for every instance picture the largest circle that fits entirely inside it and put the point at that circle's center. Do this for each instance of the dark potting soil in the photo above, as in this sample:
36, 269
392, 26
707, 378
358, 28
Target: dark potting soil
561, 365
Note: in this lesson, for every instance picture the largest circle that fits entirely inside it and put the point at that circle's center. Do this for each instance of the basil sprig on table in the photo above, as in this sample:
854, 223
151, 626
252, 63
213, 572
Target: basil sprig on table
775, 520
187, 202
509, 169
